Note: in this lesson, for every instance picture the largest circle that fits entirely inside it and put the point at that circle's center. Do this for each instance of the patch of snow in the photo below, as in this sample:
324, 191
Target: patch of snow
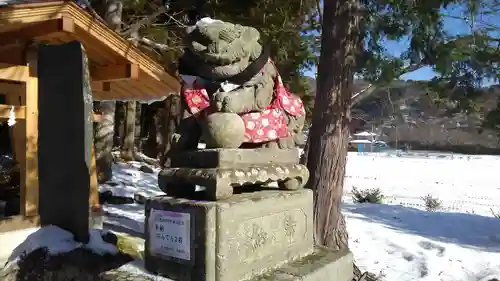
401, 243
400, 240
207, 21
129, 216
9, 241
128, 180
58, 241
137, 267
465, 184
98, 245
365, 134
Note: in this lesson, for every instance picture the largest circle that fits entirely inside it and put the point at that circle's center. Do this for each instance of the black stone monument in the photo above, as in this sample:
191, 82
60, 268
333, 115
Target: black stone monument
65, 137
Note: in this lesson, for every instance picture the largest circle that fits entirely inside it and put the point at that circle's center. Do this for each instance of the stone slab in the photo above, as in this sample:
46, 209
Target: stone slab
213, 158
322, 265
237, 238
219, 182
65, 137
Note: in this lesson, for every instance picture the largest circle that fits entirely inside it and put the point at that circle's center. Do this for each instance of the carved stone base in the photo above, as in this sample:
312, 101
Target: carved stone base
219, 171
259, 236
258, 230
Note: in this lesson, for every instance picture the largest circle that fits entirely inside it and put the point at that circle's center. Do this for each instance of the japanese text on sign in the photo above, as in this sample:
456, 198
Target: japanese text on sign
170, 234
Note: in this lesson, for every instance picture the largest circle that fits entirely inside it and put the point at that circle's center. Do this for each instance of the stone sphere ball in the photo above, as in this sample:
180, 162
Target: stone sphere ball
224, 130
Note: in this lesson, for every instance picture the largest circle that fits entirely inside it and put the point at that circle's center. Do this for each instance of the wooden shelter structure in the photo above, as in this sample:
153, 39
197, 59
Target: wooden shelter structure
118, 70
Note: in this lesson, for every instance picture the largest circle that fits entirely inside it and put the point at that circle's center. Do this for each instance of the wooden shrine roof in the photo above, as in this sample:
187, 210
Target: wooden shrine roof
119, 70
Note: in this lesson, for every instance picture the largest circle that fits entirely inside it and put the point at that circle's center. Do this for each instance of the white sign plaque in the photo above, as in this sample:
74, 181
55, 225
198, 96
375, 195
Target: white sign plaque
170, 234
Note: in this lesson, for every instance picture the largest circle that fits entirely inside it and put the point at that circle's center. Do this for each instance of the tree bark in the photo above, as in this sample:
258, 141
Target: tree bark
151, 130
104, 131
170, 119
120, 109
138, 115
103, 140
328, 142
127, 150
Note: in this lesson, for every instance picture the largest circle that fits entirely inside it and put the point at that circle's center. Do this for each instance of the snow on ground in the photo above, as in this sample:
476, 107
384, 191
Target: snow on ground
467, 184
128, 180
57, 241
403, 244
398, 240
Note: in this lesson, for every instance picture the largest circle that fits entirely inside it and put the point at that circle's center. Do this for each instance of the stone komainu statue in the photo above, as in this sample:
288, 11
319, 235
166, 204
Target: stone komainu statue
235, 102
232, 93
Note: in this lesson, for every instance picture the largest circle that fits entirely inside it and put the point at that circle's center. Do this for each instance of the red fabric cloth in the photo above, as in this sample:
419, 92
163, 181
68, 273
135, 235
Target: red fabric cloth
267, 125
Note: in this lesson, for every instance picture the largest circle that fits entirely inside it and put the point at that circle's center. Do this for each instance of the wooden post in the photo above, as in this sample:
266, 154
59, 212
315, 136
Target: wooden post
94, 185
31, 190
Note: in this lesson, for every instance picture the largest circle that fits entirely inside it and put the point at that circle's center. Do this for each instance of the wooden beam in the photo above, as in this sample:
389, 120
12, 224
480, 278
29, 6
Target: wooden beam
99, 91
15, 73
12, 89
108, 91
12, 55
101, 87
96, 86
19, 111
18, 222
44, 28
31, 193
114, 72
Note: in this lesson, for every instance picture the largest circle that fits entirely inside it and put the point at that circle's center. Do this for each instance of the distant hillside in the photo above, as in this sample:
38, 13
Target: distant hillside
404, 115
358, 86
312, 84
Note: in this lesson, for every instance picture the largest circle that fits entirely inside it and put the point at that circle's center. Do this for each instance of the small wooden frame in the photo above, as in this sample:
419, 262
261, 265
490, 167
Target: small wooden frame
117, 68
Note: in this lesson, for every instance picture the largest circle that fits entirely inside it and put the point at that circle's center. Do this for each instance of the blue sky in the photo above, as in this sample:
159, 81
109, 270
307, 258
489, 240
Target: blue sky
452, 25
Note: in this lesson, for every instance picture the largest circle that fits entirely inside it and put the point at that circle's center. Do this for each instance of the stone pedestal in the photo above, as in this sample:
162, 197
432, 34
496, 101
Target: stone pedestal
265, 235
220, 170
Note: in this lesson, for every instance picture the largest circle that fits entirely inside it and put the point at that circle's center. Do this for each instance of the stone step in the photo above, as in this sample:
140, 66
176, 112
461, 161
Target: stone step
323, 264
229, 158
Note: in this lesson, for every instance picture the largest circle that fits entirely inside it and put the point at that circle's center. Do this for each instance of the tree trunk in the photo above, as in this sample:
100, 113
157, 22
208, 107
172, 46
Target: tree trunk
120, 114
170, 119
103, 140
329, 133
150, 125
138, 128
127, 150
104, 131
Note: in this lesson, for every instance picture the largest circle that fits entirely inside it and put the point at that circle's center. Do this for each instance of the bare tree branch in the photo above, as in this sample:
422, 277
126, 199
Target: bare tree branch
86, 5
133, 30
150, 43
320, 13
